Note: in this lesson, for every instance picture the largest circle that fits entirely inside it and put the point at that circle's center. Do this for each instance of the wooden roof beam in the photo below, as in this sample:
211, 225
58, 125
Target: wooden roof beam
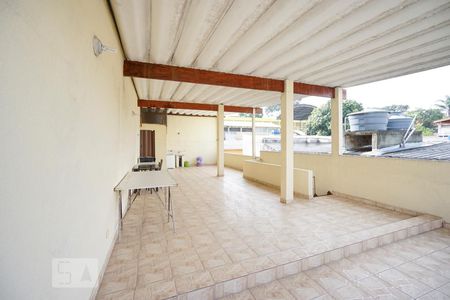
196, 106
313, 90
183, 74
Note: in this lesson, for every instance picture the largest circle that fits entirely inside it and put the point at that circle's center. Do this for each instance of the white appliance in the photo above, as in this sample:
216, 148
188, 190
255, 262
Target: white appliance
170, 161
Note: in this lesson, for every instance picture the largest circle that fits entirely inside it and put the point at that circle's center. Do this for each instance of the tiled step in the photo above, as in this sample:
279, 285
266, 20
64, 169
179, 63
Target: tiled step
263, 270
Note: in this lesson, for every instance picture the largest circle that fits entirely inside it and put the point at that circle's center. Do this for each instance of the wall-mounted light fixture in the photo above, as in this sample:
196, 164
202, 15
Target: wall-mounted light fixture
99, 48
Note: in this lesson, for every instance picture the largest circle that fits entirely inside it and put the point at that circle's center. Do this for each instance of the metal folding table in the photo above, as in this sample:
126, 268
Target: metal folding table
148, 180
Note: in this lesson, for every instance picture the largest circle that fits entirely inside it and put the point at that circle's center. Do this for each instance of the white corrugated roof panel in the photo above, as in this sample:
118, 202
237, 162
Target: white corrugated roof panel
328, 42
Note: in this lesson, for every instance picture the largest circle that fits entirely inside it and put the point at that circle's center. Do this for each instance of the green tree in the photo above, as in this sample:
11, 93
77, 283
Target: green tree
400, 108
425, 119
444, 104
319, 123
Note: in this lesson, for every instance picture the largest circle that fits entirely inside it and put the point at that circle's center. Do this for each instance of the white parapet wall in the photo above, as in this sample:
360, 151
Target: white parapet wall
320, 164
236, 161
416, 185
269, 174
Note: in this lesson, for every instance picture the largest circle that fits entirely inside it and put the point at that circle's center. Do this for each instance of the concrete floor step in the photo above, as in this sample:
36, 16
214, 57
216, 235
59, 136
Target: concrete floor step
316, 255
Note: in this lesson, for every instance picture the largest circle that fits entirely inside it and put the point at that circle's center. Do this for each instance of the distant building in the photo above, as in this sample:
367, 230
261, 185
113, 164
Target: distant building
302, 111
443, 127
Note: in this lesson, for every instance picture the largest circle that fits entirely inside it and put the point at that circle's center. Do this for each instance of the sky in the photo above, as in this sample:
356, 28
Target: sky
419, 90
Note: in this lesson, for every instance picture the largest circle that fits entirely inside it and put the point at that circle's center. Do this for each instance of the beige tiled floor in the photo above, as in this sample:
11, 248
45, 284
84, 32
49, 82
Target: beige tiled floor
228, 228
352, 279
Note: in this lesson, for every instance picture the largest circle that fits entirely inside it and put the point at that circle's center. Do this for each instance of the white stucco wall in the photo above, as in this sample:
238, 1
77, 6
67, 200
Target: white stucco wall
444, 129
418, 185
160, 140
236, 161
269, 174
321, 164
68, 135
193, 136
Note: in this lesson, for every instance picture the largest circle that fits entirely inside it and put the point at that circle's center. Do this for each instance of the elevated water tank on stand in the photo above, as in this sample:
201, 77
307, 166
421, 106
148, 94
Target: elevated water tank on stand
399, 122
376, 129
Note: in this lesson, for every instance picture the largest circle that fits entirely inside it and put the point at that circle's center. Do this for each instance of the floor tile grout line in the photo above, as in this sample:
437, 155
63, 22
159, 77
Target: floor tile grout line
299, 261
408, 261
429, 269
233, 229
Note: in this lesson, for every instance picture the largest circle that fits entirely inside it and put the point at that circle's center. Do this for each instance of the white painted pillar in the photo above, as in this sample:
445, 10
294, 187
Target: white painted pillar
287, 143
336, 123
220, 138
253, 134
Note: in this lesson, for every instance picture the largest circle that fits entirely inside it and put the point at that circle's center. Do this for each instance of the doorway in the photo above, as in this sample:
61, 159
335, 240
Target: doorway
147, 145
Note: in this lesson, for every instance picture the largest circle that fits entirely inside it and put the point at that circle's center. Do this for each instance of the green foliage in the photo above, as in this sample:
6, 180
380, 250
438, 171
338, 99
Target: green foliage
319, 122
444, 104
350, 106
425, 118
425, 131
397, 108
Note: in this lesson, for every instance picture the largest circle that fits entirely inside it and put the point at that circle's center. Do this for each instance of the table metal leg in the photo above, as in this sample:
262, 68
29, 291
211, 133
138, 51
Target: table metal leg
168, 204
172, 210
167, 197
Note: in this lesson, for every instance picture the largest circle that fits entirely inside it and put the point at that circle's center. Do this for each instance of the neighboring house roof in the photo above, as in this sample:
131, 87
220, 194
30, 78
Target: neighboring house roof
434, 152
445, 120
248, 124
302, 111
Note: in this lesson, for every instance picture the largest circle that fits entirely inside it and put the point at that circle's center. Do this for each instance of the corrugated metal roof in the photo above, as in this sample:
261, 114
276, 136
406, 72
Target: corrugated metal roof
445, 120
303, 111
191, 112
327, 42
434, 152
